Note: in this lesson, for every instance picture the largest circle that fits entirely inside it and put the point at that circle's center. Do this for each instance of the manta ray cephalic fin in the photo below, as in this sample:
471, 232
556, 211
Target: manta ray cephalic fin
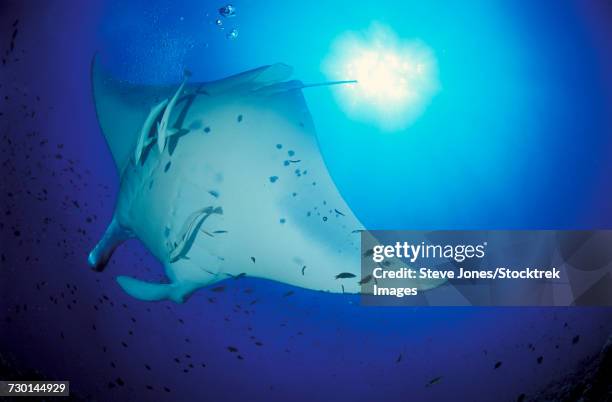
114, 235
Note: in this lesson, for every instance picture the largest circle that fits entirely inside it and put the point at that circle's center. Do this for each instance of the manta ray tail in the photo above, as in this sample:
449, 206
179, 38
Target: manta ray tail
115, 235
293, 85
329, 83
148, 291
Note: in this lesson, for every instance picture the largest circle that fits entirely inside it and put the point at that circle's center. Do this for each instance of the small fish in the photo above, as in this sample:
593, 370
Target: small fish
220, 231
289, 293
253, 259
434, 381
188, 233
162, 127
368, 253
365, 280
303, 269
240, 275
218, 289
232, 349
399, 358
497, 365
345, 275
143, 139
338, 212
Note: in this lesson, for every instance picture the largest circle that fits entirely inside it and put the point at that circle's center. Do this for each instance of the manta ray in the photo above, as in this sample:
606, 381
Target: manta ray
224, 179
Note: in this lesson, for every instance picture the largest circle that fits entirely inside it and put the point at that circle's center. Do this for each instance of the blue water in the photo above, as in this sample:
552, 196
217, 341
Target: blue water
518, 137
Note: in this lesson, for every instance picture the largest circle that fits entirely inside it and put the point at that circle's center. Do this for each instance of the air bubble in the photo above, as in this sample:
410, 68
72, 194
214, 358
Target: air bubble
233, 34
227, 11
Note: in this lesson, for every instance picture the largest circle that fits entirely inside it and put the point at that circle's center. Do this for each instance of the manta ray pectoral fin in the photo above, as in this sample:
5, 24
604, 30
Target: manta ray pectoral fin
250, 80
114, 235
121, 108
147, 291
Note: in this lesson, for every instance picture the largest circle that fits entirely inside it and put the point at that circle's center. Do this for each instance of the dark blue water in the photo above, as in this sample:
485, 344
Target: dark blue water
518, 137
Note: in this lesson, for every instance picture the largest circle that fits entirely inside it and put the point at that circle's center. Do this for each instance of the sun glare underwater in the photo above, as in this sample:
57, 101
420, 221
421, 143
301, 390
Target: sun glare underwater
476, 111
396, 78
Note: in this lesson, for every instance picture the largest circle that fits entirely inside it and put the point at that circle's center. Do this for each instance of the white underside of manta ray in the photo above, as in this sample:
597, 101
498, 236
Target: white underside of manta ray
224, 179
